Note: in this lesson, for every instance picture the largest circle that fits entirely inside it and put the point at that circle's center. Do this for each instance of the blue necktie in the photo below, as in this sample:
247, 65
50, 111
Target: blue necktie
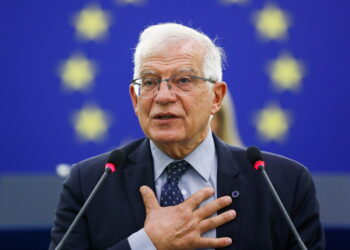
171, 194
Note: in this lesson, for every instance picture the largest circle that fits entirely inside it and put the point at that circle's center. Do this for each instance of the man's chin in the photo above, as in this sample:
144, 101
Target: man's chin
166, 138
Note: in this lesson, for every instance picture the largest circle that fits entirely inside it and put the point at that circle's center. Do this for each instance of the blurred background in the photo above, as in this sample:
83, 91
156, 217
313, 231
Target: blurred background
65, 69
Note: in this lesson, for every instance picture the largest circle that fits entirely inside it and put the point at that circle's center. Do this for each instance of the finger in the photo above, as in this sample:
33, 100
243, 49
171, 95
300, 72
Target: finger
149, 198
213, 206
216, 221
197, 198
214, 242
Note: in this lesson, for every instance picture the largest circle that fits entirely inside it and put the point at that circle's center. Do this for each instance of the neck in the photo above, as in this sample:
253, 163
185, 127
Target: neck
179, 150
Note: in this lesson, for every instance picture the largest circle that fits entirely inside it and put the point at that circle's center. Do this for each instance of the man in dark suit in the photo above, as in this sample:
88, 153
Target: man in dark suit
181, 187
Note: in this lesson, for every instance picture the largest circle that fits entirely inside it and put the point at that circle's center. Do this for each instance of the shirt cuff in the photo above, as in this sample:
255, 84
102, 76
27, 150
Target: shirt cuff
140, 240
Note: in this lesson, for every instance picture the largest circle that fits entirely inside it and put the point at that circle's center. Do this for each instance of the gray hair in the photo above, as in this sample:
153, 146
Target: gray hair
158, 36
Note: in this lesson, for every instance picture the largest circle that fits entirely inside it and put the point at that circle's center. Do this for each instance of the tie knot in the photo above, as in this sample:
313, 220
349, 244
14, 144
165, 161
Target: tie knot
176, 169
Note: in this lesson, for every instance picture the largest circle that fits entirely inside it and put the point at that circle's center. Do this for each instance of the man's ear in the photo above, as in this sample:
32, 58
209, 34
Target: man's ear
219, 92
133, 98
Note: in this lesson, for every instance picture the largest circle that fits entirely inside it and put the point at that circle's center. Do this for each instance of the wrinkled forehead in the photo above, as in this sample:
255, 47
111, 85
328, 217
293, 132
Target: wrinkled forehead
187, 55
180, 46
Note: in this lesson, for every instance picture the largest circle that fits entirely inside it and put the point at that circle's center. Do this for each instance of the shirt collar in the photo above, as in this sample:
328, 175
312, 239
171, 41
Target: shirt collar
200, 159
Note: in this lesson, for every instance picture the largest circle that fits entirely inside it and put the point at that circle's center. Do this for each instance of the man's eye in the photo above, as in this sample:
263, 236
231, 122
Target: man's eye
149, 82
183, 80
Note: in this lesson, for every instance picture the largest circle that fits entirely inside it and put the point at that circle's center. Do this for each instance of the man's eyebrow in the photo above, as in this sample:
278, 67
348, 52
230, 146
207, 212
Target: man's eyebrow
148, 72
178, 71
186, 70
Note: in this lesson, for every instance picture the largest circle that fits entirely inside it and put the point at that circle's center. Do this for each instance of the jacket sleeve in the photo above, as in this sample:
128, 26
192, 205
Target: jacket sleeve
306, 216
70, 202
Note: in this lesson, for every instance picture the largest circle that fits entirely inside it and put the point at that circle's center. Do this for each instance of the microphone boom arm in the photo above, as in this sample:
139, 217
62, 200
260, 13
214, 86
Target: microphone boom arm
83, 208
280, 204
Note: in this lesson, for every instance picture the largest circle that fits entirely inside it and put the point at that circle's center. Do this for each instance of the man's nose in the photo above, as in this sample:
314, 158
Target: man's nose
165, 92
166, 84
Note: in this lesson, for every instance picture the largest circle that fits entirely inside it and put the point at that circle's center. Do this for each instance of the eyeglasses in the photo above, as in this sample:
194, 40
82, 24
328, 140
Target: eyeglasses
148, 86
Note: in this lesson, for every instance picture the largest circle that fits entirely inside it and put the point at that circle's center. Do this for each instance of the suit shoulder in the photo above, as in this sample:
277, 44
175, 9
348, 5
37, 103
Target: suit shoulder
286, 169
283, 171
98, 161
276, 160
273, 161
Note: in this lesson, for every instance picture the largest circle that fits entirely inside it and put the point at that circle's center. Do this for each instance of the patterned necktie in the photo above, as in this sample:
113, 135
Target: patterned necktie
171, 194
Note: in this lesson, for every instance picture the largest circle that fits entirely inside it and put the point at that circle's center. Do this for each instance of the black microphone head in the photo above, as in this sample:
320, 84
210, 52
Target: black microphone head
253, 155
116, 157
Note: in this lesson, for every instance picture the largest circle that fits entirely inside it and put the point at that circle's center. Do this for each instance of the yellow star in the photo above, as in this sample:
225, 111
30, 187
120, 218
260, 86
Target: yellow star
92, 23
271, 22
286, 72
77, 72
272, 123
91, 123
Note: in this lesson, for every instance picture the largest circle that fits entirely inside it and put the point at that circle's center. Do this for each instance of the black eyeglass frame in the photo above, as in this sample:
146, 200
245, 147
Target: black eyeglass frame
168, 79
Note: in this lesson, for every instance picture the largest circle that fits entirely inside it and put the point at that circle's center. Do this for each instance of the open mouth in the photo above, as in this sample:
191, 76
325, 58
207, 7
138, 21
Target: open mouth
165, 117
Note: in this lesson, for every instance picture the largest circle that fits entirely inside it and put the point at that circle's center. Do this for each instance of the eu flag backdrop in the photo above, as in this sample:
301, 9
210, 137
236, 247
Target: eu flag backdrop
66, 67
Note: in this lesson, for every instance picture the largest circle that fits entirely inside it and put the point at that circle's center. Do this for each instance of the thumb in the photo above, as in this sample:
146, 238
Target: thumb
149, 198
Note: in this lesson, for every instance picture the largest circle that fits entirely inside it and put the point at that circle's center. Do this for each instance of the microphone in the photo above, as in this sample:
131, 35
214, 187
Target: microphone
255, 158
114, 160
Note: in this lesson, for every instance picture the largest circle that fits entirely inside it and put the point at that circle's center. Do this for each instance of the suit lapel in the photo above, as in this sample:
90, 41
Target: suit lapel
139, 172
228, 183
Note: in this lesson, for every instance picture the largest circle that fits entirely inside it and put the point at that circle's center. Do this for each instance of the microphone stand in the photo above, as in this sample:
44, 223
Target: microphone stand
83, 208
280, 204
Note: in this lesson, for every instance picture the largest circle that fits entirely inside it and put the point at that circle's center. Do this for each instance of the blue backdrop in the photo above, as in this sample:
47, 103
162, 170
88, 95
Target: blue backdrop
37, 106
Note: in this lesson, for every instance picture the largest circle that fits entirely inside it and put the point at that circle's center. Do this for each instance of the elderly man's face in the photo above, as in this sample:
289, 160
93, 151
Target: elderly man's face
168, 117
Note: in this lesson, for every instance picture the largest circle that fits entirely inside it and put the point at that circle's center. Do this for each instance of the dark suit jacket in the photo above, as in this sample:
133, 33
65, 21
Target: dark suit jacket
117, 210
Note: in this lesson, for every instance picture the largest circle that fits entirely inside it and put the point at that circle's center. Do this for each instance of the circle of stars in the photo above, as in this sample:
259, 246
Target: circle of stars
78, 73
285, 72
